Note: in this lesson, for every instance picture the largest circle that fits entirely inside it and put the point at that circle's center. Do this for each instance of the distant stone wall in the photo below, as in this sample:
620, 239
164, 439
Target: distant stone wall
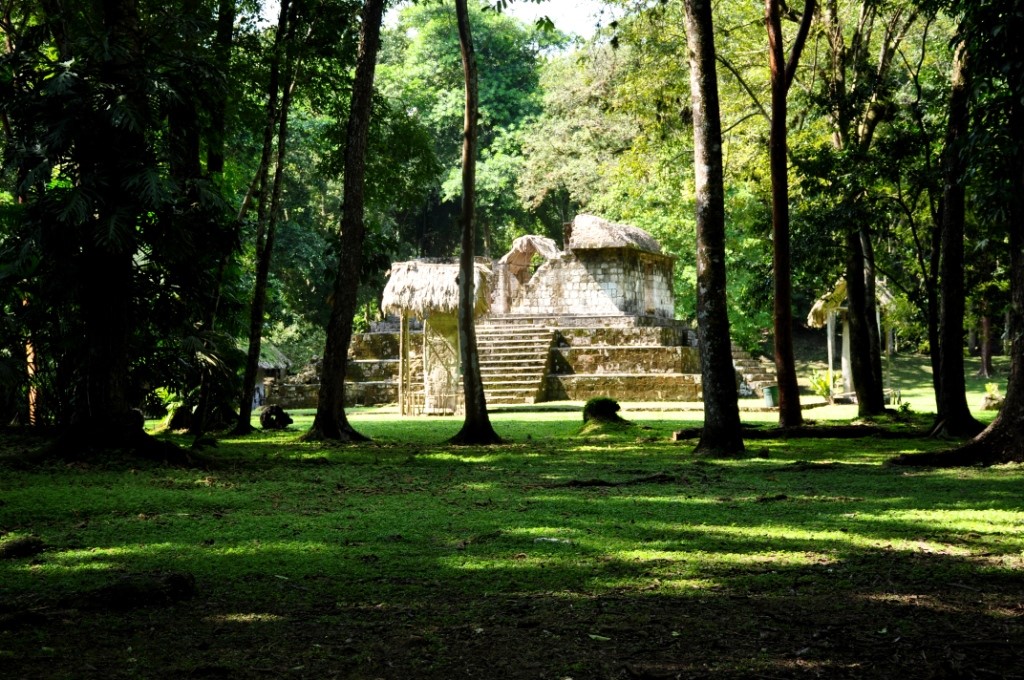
356, 394
599, 360
663, 387
603, 281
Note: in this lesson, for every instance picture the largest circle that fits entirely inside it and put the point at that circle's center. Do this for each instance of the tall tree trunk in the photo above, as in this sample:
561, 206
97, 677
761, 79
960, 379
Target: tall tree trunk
954, 417
721, 434
858, 96
932, 290
103, 407
865, 384
216, 143
476, 429
330, 421
1003, 440
871, 312
267, 215
782, 73
218, 115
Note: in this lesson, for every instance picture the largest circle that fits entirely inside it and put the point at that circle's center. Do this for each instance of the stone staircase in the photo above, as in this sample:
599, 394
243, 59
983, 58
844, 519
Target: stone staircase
513, 360
757, 373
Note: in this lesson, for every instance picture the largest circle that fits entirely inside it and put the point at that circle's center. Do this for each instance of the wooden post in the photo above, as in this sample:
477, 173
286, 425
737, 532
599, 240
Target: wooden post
30, 365
831, 349
847, 370
403, 364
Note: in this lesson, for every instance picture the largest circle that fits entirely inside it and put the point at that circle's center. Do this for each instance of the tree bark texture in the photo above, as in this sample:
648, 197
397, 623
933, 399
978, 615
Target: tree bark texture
476, 429
330, 421
865, 384
782, 74
1003, 440
108, 252
954, 417
721, 434
856, 89
276, 117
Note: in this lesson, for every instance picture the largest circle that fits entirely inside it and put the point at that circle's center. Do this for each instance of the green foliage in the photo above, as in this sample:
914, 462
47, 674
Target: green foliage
821, 385
421, 72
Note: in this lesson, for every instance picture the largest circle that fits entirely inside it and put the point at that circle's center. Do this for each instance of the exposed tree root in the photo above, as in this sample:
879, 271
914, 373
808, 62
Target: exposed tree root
988, 448
343, 434
473, 436
125, 435
964, 428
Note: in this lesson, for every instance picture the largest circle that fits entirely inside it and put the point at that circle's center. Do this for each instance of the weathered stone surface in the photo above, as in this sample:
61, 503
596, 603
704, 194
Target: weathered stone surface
637, 359
606, 281
377, 345
372, 370
625, 336
665, 387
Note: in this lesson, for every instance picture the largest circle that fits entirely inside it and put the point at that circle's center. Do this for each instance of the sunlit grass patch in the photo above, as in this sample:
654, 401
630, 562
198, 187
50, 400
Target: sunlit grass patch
245, 618
278, 532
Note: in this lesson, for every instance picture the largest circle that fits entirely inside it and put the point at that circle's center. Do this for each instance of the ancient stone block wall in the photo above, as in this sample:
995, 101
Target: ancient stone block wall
600, 282
665, 387
622, 360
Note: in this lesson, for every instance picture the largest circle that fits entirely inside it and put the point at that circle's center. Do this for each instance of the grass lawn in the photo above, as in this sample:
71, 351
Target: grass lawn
555, 555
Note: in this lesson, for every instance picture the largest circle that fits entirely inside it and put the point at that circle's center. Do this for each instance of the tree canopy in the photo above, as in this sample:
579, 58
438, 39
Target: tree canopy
135, 137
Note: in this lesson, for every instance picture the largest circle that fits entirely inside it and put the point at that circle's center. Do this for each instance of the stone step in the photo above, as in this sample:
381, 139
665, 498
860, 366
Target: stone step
500, 383
513, 357
507, 370
523, 339
512, 345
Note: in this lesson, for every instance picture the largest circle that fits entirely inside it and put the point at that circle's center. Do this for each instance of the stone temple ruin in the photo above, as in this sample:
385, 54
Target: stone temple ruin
594, 319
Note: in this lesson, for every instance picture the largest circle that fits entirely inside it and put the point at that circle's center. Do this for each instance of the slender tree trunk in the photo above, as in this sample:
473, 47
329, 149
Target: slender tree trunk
790, 414
932, 288
218, 115
1003, 440
330, 421
954, 417
871, 314
476, 429
216, 143
855, 118
869, 392
721, 434
264, 236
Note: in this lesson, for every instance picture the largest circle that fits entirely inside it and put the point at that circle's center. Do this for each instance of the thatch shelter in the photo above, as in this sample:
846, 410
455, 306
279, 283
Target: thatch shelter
428, 289
832, 306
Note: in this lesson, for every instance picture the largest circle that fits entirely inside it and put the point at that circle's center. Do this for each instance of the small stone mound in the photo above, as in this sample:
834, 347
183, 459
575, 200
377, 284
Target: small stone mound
603, 409
274, 417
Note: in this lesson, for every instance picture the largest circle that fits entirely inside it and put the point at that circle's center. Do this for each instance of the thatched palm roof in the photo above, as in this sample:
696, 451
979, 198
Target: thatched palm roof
271, 358
424, 286
591, 232
833, 300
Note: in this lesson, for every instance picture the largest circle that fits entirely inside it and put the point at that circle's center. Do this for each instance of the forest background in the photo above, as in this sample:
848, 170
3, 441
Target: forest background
218, 218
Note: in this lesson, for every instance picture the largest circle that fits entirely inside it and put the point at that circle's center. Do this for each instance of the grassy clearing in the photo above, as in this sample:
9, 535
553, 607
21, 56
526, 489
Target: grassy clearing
608, 555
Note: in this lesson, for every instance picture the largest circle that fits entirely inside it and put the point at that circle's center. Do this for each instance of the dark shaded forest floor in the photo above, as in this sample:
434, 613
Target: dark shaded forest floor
405, 558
